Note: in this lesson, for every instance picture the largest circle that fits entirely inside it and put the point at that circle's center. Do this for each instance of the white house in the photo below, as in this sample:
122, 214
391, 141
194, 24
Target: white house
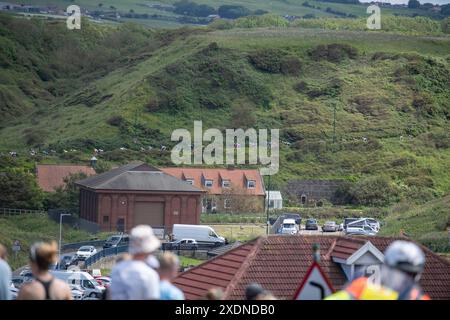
275, 199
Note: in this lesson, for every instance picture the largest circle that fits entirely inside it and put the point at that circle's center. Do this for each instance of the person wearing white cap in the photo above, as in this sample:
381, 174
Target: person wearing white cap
134, 279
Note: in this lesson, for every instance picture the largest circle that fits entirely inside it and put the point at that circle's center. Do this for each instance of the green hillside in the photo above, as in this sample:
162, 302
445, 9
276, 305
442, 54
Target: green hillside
160, 14
31, 228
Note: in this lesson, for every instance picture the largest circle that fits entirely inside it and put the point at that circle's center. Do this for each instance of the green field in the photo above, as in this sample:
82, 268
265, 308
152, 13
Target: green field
278, 7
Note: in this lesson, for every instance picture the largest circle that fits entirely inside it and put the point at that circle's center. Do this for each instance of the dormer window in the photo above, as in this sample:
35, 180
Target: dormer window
251, 184
226, 183
190, 181
208, 183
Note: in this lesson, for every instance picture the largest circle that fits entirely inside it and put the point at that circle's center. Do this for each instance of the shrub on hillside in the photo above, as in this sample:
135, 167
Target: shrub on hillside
19, 190
374, 191
291, 66
301, 87
268, 60
335, 52
116, 121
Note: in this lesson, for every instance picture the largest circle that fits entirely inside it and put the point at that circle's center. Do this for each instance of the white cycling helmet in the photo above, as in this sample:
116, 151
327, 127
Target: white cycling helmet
405, 256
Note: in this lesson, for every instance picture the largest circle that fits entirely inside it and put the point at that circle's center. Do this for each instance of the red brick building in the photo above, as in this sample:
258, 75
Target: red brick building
279, 264
135, 194
228, 190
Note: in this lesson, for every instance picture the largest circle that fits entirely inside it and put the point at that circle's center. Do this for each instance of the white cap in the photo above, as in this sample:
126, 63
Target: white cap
143, 240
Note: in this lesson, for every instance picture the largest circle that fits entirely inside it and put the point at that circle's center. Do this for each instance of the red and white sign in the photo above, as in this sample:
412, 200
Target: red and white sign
315, 285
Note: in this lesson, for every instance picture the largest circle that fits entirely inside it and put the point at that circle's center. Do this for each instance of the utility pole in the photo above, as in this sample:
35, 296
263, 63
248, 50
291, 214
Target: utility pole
334, 122
267, 208
60, 234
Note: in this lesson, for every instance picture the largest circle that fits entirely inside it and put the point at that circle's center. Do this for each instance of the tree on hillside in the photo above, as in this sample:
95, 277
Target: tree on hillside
66, 197
413, 4
242, 115
19, 190
233, 11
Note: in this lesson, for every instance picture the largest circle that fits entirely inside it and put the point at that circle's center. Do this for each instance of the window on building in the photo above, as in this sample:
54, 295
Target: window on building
227, 203
208, 183
105, 219
190, 181
226, 183
251, 184
271, 203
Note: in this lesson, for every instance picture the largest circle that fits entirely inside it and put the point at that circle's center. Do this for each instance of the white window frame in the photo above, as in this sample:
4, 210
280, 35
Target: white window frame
248, 184
206, 183
190, 181
226, 181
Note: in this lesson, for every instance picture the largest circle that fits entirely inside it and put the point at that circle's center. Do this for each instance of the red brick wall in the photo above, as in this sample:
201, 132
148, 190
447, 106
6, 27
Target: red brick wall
178, 208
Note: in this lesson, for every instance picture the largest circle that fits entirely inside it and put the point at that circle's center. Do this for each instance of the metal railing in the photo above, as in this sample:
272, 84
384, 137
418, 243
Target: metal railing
104, 253
15, 212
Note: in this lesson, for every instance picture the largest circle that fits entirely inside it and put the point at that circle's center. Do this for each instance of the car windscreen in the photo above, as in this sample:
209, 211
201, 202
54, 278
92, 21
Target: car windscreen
114, 239
85, 249
288, 225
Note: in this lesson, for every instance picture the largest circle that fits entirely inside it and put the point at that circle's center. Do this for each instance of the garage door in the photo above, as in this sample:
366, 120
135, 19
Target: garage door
151, 213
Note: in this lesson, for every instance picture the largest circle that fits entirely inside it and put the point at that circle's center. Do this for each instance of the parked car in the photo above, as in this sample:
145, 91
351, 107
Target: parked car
85, 252
311, 224
183, 244
349, 220
18, 281
14, 292
77, 292
117, 240
67, 260
289, 227
375, 224
27, 274
200, 233
295, 216
84, 280
104, 281
330, 226
360, 227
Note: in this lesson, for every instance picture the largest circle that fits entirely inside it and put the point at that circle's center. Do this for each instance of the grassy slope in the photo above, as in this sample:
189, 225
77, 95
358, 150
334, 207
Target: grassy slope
31, 228
133, 86
426, 223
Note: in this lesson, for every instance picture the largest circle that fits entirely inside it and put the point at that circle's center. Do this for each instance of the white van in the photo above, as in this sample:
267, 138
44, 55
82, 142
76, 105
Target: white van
202, 234
289, 227
83, 280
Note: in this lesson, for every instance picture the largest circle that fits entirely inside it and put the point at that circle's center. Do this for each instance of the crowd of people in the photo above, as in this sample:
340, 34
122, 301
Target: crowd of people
143, 274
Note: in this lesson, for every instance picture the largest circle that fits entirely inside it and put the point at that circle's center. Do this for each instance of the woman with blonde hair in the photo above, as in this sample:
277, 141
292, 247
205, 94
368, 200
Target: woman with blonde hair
44, 286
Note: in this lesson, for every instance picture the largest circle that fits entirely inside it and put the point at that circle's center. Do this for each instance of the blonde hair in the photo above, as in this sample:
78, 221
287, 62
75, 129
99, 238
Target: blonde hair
44, 254
168, 261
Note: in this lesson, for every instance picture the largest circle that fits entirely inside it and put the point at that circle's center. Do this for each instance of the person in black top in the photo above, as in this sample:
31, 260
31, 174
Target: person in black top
44, 286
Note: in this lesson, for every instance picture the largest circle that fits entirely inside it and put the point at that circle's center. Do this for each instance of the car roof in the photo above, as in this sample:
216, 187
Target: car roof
288, 221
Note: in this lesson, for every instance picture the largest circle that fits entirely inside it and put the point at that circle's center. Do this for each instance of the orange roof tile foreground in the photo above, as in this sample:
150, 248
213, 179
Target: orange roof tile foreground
279, 264
51, 176
237, 177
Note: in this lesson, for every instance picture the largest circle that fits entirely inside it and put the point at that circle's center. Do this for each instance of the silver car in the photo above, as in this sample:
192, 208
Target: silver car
330, 226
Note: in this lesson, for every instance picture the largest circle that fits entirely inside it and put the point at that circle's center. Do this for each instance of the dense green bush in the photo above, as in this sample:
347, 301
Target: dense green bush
335, 52
19, 189
275, 61
376, 191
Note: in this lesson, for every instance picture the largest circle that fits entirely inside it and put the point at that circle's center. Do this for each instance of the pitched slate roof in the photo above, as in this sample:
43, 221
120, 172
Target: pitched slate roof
51, 176
137, 176
279, 264
237, 177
